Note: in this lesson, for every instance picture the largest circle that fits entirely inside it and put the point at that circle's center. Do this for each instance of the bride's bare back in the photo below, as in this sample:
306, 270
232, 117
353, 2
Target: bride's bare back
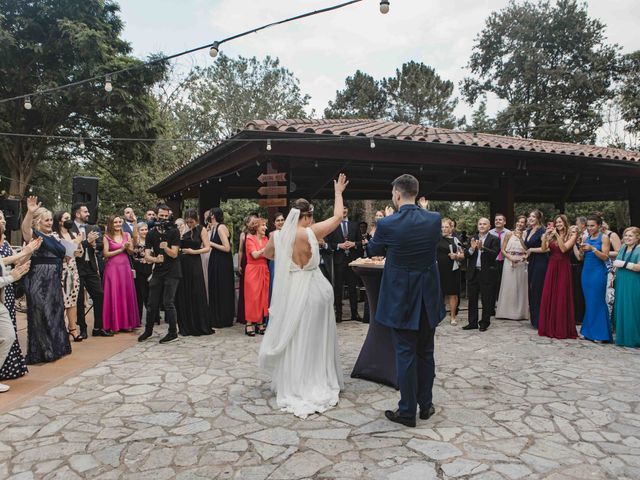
302, 253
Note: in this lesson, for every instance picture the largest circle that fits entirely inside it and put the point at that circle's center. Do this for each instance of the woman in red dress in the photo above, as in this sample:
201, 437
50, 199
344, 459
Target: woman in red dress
256, 279
556, 309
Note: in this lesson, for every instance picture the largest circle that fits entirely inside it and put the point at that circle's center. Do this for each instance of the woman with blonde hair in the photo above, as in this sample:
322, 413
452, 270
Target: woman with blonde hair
449, 253
256, 279
626, 310
47, 335
513, 300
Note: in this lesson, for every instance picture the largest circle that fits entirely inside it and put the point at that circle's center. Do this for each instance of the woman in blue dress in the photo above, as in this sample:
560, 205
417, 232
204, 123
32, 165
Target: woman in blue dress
626, 310
595, 253
47, 336
537, 264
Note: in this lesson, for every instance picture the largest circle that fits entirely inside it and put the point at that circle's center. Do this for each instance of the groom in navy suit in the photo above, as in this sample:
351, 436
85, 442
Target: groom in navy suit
410, 300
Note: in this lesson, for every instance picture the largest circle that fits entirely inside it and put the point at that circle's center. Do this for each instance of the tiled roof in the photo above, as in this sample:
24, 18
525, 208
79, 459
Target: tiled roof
405, 131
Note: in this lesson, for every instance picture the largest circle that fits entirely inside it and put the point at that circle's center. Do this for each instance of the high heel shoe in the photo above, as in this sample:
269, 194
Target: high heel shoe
249, 333
261, 329
76, 338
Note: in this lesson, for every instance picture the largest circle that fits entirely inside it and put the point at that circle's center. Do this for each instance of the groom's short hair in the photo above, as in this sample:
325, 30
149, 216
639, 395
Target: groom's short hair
407, 185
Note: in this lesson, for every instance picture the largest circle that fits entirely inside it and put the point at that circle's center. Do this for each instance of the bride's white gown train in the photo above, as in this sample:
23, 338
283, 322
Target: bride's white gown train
300, 348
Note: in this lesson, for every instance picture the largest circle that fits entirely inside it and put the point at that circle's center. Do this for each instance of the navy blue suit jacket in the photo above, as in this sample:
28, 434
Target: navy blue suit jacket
410, 280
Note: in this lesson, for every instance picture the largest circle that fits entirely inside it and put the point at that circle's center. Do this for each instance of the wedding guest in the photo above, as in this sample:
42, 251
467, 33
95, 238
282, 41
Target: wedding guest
256, 279
449, 252
62, 225
150, 217
221, 278
499, 230
481, 275
594, 251
7, 329
615, 244
89, 270
378, 216
181, 226
556, 307
192, 308
142, 270
204, 257
47, 335
120, 308
627, 307
14, 365
576, 269
162, 248
513, 301
537, 264
278, 223
130, 224
242, 265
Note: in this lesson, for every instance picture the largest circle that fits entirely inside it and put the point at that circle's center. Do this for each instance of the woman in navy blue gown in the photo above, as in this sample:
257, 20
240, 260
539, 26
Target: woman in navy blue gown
537, 266
595, 252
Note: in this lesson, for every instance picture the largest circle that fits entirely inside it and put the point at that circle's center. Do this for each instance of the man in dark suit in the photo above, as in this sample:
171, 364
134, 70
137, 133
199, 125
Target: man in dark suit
346, 244
482, 275
326, 260
410, 299
88, 270
130, 221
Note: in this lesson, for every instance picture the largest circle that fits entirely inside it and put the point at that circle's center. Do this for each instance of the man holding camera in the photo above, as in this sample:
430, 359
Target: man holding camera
88, 270
161, 250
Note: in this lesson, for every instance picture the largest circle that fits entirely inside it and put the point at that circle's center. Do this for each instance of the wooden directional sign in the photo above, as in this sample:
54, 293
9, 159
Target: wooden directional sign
272, 177
272, 191
273, 202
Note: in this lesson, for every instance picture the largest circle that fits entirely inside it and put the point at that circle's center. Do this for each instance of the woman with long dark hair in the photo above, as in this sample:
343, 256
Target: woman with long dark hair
537, 264
221, 279
192, 309
62, 225
120, 307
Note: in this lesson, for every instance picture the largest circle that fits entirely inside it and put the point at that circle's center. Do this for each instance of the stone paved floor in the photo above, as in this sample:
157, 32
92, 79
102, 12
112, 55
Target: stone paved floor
509, 405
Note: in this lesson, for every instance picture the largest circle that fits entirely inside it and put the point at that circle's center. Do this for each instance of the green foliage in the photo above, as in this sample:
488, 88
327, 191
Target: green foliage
235, 211
550, 62
416, 94
480, 119
629, 91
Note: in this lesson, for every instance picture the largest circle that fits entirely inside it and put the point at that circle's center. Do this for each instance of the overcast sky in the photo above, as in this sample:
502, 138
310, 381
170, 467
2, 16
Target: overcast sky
323, 50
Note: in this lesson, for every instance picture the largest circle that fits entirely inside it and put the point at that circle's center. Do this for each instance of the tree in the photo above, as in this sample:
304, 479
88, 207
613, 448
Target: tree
418, 95
480, 120
49, 43
362, 97
629, 91
551, 63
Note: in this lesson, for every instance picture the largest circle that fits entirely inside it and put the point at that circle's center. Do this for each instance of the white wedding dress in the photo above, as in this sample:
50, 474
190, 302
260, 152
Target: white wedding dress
300, 348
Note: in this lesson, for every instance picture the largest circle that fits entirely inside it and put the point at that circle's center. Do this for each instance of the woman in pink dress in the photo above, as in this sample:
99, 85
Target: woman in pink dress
120, 308
557, 318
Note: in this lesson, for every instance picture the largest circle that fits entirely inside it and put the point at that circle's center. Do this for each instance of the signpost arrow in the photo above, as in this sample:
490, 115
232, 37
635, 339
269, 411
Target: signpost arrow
272, 177
273, 202
275, 191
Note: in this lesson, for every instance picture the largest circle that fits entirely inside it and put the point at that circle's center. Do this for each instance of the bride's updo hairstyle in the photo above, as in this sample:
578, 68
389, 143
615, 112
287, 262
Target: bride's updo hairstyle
306, 209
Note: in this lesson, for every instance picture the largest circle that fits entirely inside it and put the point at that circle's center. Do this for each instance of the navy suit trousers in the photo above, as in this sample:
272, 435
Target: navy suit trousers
416, 366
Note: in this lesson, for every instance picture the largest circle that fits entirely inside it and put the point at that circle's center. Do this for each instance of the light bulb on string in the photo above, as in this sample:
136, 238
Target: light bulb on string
107, 83
27, 103
421, 168
269, 145
257, 163
220, 179
174, 147
384, 6
215, 48
576, 131
81, 145
315, 164
237, 173
372, 143
371, 167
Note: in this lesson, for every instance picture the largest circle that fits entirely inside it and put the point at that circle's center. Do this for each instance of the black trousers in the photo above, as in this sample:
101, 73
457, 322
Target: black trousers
484, 287
342, 273
162, 289
416, 367
91, 282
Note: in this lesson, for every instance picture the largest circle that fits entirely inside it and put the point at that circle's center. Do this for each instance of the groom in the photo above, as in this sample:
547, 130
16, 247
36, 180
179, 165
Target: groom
410, 300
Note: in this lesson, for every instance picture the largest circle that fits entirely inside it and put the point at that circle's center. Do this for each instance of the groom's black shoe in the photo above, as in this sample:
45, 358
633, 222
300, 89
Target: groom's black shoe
470, 327
428, 413
397, 418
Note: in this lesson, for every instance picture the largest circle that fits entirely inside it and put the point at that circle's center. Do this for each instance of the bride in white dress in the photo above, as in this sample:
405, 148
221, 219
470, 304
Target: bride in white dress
300, 348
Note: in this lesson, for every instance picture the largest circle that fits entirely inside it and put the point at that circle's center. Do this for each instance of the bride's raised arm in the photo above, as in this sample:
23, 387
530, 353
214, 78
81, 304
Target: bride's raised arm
324, 228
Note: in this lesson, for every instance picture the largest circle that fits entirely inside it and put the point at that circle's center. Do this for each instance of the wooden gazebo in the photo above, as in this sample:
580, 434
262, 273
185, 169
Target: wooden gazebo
279, 160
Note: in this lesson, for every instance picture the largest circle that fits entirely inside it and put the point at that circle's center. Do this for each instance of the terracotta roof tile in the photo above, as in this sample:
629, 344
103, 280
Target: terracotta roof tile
408, 132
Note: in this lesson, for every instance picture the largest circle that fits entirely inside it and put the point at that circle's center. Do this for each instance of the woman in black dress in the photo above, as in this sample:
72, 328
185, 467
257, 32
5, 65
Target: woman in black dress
142, 268
191, 298
221, 279
449, 252
48, 339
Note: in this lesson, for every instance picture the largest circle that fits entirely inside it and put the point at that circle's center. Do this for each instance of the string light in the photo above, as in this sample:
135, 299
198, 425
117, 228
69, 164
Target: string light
371, 167
257, 163
576, 131
315, 164
220, 180
27, 103
384, 6
269, 145
81, 144
421, 168
237, 173
107, 83
174, 147
372, 143
215, 48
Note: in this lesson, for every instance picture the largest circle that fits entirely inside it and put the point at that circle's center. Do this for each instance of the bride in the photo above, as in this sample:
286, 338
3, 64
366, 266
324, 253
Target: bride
300, 348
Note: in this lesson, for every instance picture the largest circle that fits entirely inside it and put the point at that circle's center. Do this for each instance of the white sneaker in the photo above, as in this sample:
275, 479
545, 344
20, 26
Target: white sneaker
4, 388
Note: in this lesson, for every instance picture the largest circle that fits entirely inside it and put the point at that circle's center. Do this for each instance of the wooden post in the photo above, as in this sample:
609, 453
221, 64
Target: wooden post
209, 197
502, 200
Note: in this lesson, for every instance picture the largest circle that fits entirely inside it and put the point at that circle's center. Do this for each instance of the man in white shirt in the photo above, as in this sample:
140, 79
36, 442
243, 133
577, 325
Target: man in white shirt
130, 221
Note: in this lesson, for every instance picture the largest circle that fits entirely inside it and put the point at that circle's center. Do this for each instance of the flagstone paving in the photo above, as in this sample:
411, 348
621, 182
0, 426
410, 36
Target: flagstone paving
509, 405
